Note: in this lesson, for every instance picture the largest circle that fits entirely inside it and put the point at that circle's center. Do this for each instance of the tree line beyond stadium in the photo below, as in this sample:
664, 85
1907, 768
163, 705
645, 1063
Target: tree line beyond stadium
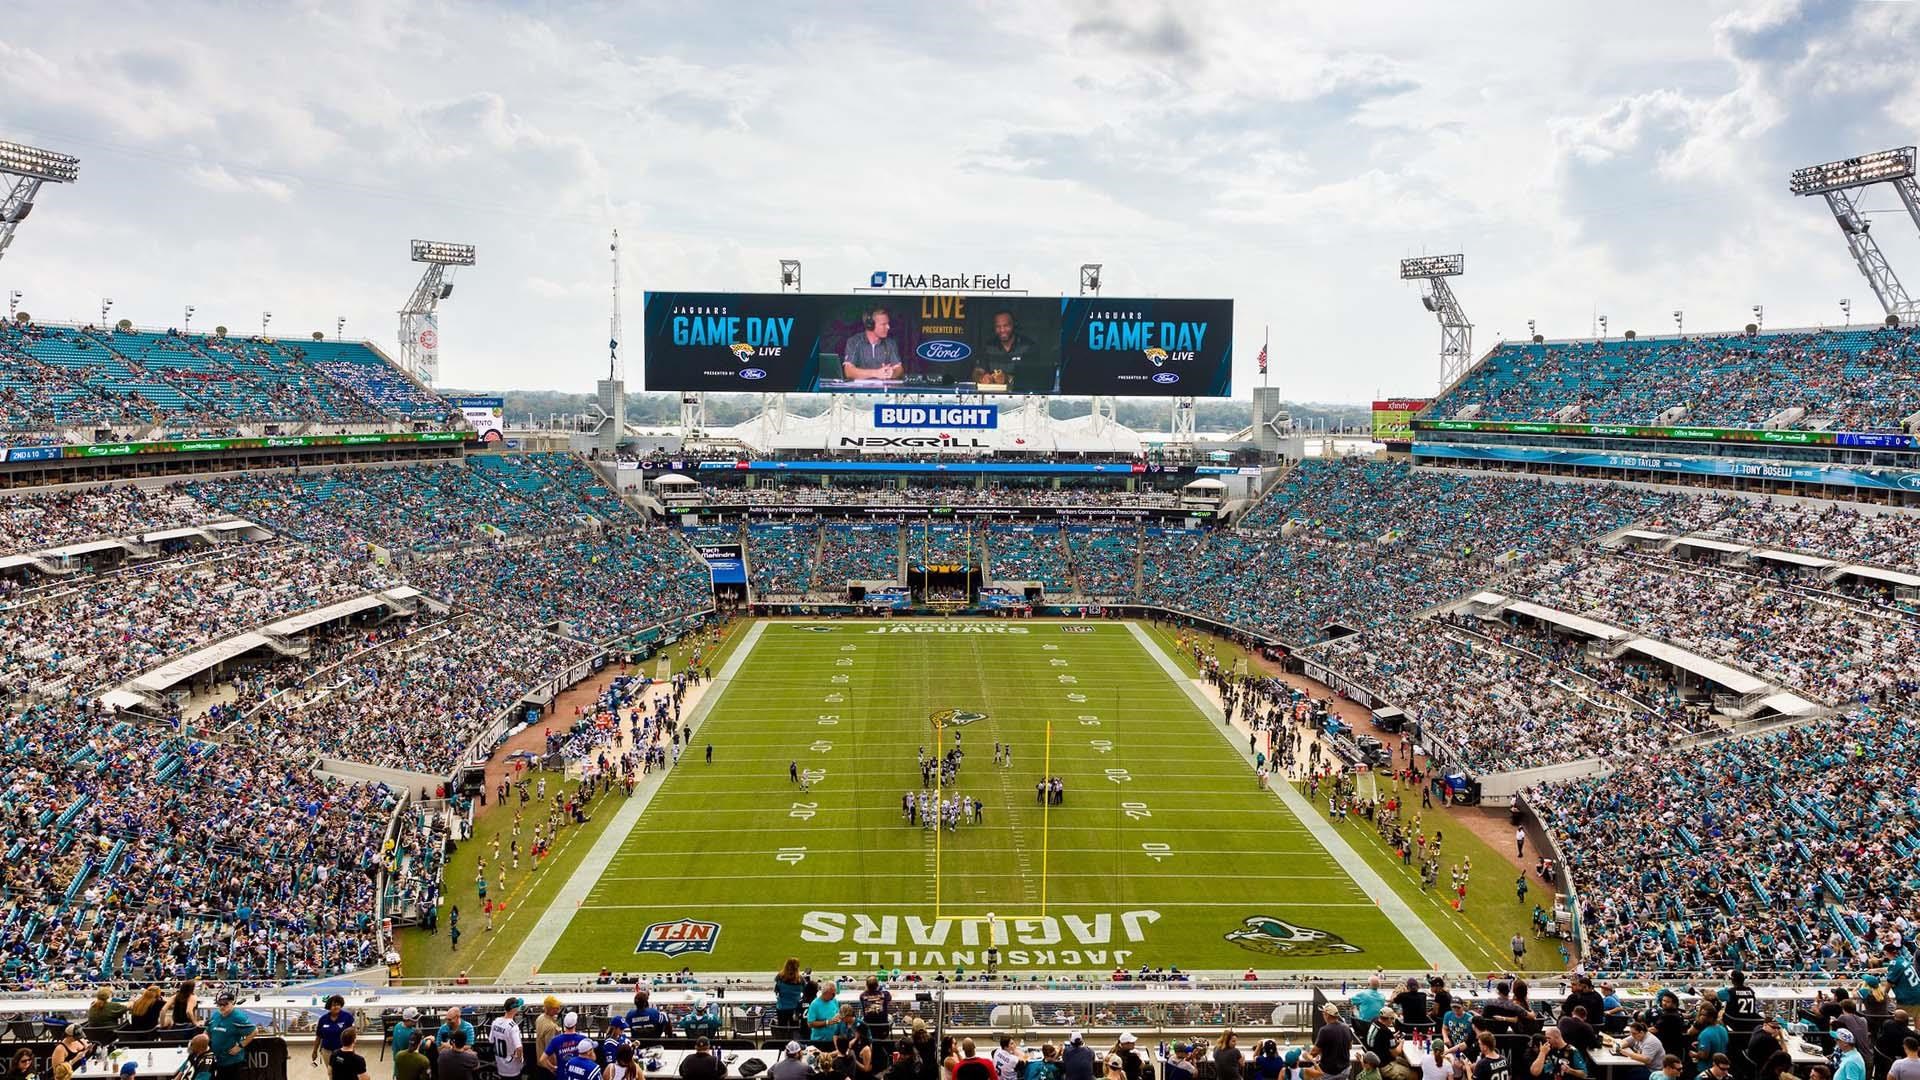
937, 343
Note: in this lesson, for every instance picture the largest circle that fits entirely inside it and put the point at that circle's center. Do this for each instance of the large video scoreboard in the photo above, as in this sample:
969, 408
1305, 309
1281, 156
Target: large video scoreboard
938, 343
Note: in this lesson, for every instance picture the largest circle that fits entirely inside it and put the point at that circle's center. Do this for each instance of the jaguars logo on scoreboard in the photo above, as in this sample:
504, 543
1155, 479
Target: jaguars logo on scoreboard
679, 937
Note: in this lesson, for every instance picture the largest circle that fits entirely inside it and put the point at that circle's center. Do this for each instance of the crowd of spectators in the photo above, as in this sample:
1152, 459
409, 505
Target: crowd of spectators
781, 557
599, 587
98, 631
413, 702
139, 855
1029, 553
857, 552
1506, 700
1828, 530
1106, 558
1830, 647
942, 543
37, 521
1791, 851
54, 377
1449, 514
1849, 380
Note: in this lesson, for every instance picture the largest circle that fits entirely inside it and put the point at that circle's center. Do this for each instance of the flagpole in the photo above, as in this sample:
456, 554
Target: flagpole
1266, 333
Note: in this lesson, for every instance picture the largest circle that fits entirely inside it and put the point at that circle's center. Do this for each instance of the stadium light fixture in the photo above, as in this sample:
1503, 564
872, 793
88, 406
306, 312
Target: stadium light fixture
789, 275
339, 328
34, 163
106, 305
1433, 266
1877, 167
1760, 316
1530, 330
1603, 327
442, 254
13, 303
186, 321
265, 318
1679, 322
23, 169
1846, 312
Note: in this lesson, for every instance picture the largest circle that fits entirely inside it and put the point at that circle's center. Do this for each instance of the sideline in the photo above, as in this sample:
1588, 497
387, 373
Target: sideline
1403, 918
573, 893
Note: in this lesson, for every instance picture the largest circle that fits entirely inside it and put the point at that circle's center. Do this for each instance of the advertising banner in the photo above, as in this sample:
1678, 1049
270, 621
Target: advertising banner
1393, 419
1866, 440
485, 415
970, 417
937, 343
725, 562
1875, 479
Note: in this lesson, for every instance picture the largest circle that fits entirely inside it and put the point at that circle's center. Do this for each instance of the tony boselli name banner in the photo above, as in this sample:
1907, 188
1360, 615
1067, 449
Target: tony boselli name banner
935, 343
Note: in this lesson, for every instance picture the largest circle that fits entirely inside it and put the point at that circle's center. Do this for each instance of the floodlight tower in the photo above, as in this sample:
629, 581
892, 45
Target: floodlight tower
419, 325
23, 169
611, 393
1843, 183
1456, 333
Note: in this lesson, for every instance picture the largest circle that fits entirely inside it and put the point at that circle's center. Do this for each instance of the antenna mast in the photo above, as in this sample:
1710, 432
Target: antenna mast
614, 368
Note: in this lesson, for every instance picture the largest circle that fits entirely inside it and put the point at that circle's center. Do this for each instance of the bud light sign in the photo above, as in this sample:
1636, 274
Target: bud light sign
971, 417
944, 351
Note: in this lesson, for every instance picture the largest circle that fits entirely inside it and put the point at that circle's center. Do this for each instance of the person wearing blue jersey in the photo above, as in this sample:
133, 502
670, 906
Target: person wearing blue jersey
643, 1019
562, 1044
1903, 978
578, 1061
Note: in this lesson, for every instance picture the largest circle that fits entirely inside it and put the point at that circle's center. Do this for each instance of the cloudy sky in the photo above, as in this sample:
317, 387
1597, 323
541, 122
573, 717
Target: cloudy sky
1626, 158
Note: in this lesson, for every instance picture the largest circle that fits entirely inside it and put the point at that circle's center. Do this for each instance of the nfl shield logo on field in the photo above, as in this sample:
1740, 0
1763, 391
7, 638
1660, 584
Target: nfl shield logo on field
679, 937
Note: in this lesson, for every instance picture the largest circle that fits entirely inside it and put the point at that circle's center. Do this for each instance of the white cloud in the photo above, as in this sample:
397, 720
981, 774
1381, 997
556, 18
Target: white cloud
218, 179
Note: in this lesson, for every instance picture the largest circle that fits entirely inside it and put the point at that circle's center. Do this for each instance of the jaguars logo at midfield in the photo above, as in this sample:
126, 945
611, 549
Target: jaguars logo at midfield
956, 718
1278, 937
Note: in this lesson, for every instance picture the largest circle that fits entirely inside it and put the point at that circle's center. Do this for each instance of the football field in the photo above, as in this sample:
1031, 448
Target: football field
1163, 849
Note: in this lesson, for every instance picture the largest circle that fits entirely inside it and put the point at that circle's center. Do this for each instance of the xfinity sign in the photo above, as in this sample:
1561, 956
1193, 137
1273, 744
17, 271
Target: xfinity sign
972, 417
885, 279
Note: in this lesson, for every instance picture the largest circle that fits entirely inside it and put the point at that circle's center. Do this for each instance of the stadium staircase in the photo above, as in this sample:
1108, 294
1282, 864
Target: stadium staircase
1140, 561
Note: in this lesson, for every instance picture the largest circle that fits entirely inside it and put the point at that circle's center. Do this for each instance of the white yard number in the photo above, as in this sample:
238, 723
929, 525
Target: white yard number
1156, 852
840, 679
834, 699
1050, 648
1119, 776
1057, 662
828, 719
845, 661
1069, 680
1077, 699
820, 746
803, 810
1089, 720
813, 776
1101, 746
1136, 810
848, 648
790, 855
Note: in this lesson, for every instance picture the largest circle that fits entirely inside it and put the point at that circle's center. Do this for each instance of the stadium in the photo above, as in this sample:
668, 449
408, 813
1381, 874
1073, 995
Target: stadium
930, 718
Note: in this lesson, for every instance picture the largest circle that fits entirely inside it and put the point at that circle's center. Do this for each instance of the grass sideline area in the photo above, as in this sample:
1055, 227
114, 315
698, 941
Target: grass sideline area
483, 955
1165, 852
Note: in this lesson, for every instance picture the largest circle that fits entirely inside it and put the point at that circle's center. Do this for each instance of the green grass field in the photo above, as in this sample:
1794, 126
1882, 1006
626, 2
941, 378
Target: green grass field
1163, 848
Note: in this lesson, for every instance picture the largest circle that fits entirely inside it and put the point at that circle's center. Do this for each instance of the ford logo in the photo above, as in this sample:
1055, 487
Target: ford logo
941, 351
753, 373
1166, 378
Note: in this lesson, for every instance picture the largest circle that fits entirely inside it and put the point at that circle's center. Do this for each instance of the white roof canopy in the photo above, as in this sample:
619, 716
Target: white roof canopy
1711, 670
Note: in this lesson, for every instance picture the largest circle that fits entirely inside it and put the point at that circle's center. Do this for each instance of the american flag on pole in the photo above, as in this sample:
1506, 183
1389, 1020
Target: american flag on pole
1263, 359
